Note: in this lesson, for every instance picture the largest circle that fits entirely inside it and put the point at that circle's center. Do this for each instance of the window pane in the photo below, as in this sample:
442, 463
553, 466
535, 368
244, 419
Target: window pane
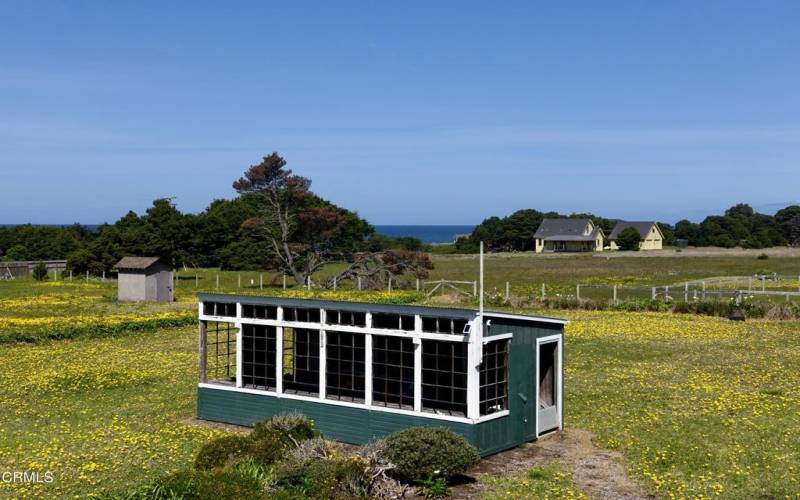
444, 377
393, 372
344, 367
494, 377
301, 361
259, 357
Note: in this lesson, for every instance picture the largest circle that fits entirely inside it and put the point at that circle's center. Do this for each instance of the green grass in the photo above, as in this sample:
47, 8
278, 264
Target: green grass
547, 481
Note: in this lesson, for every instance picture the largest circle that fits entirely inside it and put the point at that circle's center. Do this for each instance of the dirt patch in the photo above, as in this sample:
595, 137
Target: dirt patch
239, 429
598, 472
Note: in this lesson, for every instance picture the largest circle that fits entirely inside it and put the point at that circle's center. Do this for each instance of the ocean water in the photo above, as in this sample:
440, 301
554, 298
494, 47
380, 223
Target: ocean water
428, 234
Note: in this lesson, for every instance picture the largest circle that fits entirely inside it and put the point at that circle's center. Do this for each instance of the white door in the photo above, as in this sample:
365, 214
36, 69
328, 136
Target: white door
548, 384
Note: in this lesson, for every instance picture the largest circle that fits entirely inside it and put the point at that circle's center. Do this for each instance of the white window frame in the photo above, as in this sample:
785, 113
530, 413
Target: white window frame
559, 341
417, 336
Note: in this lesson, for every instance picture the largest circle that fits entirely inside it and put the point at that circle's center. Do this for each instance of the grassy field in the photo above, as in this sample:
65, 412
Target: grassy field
698, 406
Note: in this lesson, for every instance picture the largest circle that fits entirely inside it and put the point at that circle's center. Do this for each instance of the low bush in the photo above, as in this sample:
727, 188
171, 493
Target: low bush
289, 428
265, 450
40, 272
420, 453
323, 478
221, 451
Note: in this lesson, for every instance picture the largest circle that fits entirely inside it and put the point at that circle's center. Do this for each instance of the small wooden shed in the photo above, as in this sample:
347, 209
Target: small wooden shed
363, 370
144, 279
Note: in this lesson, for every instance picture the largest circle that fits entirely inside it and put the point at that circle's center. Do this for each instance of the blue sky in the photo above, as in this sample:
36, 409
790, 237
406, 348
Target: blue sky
407, 112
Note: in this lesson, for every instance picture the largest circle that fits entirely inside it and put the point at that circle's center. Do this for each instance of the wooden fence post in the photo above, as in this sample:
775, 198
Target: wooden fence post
474, 288
238, 281
704, 289
653, 293
578, 292
543, 294
284, 282
217, 285
104, 277
418, 284
309, 283
390, 284
334, 283
260, 281
686, 292
70, 274
359, 283
763, 282
508, 290
615, 294
196, 280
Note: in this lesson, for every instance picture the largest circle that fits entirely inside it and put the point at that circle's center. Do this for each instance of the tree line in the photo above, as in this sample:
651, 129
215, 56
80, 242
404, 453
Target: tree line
275, 223
739, 226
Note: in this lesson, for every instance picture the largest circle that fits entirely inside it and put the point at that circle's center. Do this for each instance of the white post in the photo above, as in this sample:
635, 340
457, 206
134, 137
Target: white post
359, 283
238, 281
104, 276
653, 293
615, 294
87, 275
309, 283
418, 374
279, 353
508, 290
368, 369
543, 294
390, 284
323, 361
474, 288
418, 284
239, 344
217, 281
70, 274
704, 289
749, 283
763, 282
284, 282
476, 352
261, 281
334, 283
686, 292
578, 292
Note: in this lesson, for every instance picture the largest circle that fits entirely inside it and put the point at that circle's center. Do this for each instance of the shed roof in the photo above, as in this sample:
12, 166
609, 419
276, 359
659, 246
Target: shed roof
370, 307
136, 262
642, 226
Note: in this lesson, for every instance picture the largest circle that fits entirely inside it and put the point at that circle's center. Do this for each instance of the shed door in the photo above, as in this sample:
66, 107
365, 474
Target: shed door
548, 389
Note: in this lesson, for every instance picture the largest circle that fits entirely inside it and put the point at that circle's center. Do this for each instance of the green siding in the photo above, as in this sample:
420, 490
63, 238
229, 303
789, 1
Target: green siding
341, 423
360, 425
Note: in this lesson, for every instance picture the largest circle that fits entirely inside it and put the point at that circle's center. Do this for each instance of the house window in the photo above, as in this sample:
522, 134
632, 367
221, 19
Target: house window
344, 366
393, 372
444, 377
346, 318
219, 309
494, 377
221, 349
259, 357
301, 314
393, 321
301, 361
259, 312
443, 325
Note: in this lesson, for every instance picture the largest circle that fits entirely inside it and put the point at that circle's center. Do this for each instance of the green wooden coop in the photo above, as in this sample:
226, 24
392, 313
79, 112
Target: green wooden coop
362, 370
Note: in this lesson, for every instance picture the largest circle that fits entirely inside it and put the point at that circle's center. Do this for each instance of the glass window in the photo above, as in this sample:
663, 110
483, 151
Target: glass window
444, 377
393, 372
344, 366
494, 377
259, 357
301, 361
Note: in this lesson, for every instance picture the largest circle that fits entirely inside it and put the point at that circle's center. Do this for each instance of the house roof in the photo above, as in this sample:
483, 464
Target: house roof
642, 226
136, 262
566, 230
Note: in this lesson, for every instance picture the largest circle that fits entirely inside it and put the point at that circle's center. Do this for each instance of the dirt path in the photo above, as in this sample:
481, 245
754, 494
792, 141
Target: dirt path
597, 472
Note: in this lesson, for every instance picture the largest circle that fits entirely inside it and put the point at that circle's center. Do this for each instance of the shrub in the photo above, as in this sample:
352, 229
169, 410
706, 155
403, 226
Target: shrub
40, 272
762, 256
420, 453
290, 428
629, 239
220, 451
331, 477
266, 450
229, 484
